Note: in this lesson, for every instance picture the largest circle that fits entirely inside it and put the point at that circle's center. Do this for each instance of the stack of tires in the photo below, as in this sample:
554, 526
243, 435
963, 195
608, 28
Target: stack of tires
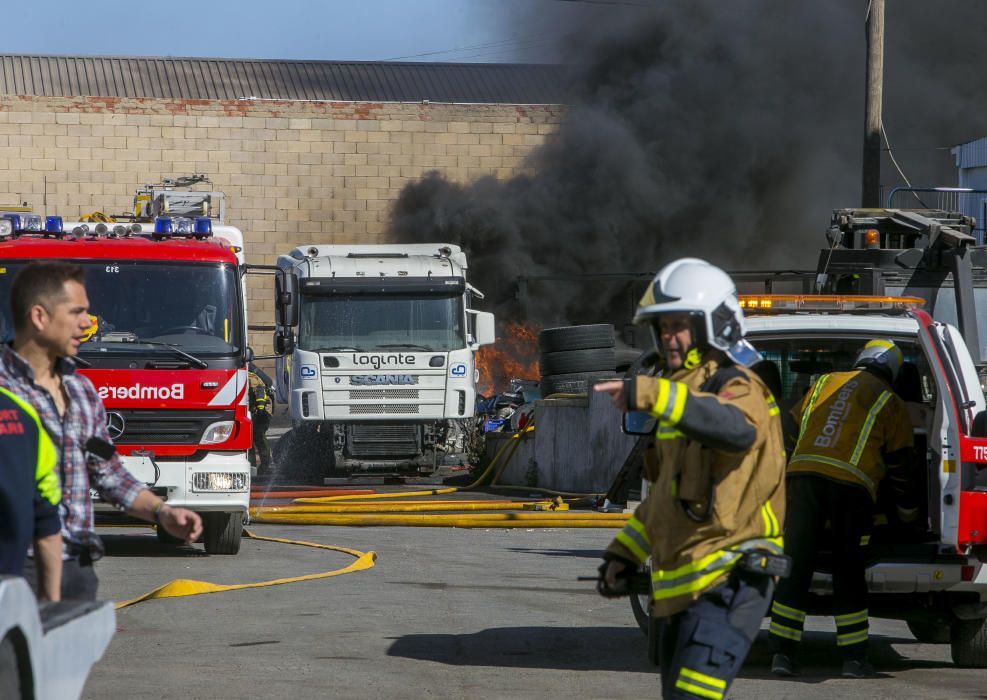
572, 358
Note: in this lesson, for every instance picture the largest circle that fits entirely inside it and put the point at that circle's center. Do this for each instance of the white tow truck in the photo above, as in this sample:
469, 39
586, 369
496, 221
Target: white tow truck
907, 276
375, 348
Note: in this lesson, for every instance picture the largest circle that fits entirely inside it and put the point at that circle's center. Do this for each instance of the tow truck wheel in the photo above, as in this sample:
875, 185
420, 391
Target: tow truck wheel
222, 532
929, 632
968, 643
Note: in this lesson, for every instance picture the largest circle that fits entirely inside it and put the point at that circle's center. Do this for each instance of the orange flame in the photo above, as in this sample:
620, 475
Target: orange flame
513, 356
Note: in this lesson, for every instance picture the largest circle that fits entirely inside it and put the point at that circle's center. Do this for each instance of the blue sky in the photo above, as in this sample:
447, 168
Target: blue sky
443, 30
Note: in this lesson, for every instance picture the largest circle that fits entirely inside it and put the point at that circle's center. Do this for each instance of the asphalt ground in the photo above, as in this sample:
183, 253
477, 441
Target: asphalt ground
445, 613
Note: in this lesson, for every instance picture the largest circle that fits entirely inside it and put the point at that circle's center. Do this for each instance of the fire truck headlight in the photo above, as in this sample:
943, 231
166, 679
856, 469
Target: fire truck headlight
218, 432
220, 481
6, 228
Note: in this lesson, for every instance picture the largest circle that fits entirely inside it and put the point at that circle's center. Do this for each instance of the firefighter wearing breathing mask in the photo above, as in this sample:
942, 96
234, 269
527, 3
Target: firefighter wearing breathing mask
712, 520
852, 430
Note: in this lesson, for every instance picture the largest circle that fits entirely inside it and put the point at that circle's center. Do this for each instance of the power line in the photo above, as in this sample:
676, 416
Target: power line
474, 47
628, 3
494, 52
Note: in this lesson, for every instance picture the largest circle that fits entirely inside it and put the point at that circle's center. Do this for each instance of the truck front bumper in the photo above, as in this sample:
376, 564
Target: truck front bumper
219, 481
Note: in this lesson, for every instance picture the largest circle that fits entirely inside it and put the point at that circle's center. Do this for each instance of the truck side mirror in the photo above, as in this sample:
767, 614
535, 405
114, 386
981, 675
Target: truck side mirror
284, 342
248, 354
484, 332
286, 299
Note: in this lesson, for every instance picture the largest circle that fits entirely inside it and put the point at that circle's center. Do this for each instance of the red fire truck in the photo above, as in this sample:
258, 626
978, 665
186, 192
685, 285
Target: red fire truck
167, 351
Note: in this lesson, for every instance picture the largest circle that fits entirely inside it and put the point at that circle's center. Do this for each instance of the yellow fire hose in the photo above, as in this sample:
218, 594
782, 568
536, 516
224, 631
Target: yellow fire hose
183, 587
413, 507
474, 520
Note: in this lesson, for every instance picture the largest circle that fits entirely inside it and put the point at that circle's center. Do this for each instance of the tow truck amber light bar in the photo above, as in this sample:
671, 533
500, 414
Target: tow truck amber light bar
822, 303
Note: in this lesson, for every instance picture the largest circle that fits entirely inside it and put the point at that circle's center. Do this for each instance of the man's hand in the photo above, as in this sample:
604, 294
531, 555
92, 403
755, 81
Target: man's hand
614, 568
616, 390
182, 523
613, 579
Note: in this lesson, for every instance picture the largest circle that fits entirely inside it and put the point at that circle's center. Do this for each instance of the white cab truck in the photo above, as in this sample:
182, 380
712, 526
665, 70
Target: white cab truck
376, 349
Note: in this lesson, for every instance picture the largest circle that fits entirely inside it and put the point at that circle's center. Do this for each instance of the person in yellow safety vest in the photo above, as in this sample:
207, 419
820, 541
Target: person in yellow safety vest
29, 496
712, 520
261, 409
852, 430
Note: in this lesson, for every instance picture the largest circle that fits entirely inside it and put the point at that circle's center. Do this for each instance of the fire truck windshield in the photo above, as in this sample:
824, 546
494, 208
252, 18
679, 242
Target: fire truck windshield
194, 307
385, 322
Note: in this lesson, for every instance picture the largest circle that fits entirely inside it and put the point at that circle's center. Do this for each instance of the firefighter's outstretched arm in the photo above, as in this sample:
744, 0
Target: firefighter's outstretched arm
715, 420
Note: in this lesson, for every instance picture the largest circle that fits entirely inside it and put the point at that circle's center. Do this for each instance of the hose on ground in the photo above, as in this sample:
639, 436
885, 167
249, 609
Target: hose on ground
183, 587
473, 520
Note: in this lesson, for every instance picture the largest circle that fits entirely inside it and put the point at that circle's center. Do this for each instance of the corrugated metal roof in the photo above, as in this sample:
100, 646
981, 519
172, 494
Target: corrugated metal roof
234, 79
972, 154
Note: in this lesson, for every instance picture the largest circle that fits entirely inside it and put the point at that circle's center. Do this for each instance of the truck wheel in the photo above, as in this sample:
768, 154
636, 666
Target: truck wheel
575, 361
222, 532
968, 643
588, 337
929, 632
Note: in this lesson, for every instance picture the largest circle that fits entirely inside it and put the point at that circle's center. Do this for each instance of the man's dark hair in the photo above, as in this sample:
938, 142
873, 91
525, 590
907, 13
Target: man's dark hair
40, 283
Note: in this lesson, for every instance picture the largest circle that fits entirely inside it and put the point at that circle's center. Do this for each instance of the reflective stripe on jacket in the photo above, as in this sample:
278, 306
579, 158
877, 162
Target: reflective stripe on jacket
707, 505
847, 422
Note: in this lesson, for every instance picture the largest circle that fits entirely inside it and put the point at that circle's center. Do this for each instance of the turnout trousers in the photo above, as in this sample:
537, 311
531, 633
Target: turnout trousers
260, 447
703, 647
812, 501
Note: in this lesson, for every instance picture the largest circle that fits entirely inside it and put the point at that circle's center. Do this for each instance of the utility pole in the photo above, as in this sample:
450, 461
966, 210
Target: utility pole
871, 196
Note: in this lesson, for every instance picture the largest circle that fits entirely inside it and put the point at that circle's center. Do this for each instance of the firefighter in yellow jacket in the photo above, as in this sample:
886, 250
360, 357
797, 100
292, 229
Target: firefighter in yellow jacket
712, 521
261, 409
852, 430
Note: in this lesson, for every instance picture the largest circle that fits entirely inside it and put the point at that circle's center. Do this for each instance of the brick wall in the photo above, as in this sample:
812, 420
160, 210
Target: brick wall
293, 172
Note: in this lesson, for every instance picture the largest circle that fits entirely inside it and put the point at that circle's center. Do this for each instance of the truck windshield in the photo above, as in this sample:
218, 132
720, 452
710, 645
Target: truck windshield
386, 322
191, 306
801, 360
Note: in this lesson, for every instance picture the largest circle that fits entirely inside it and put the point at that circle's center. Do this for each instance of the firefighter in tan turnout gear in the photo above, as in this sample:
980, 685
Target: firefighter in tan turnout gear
852, 429
712, 520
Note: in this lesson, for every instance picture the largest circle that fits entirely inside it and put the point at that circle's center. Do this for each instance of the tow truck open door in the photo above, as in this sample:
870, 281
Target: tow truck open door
958, 507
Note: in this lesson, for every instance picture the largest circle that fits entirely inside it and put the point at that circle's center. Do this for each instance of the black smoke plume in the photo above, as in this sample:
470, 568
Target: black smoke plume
723, 130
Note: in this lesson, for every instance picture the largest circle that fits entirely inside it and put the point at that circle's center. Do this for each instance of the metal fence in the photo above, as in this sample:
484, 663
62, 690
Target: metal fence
962, 199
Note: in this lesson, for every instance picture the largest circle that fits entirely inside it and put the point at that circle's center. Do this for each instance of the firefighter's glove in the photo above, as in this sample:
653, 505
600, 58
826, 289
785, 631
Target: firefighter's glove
624, 576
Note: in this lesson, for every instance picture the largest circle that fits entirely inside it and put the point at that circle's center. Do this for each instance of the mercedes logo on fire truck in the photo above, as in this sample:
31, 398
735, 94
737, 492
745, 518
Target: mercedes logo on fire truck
115, 425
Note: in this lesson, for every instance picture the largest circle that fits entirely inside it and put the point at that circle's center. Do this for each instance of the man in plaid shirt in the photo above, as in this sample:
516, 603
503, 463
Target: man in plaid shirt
51, 315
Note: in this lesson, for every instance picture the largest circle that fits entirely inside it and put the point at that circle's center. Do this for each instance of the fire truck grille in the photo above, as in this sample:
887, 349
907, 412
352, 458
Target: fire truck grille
379, 410
383, 440
358, 394
162, 427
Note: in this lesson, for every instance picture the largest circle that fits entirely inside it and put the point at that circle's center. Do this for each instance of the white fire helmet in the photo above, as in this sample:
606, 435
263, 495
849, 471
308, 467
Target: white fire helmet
693, 286
882, 354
